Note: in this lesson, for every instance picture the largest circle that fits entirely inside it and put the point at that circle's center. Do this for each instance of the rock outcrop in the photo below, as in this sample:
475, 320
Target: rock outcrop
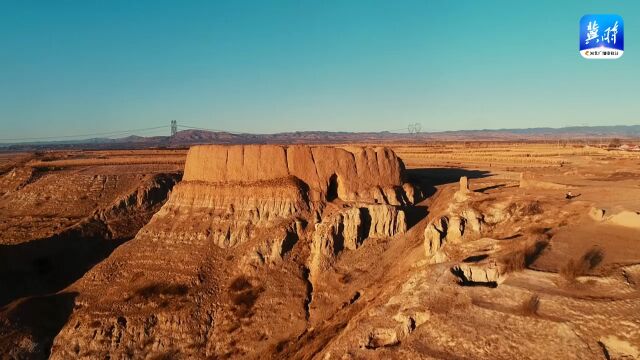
237, 190
626, 218
454, 228
434, 239
229, 214
464, 184
349, 228
275, 246
491, 273
597, 214
359, 174
618, 349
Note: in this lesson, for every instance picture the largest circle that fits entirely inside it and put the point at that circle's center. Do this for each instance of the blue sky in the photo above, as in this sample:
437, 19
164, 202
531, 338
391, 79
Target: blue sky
85, 66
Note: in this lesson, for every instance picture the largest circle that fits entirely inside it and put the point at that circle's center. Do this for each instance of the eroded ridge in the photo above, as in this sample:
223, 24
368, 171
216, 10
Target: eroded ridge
246, 235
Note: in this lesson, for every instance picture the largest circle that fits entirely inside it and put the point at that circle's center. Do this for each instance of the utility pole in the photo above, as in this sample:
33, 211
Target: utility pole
174, 127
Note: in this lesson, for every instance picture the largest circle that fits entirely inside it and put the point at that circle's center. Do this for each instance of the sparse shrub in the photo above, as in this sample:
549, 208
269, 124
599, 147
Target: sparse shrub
345, 279
578, 267
240, 283
243, 296
524, 256
514, 262
443, 303
532, 208
530, 306
593, 258
158, 289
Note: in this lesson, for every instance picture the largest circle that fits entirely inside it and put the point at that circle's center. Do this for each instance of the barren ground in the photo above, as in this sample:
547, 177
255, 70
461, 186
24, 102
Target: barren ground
518, 270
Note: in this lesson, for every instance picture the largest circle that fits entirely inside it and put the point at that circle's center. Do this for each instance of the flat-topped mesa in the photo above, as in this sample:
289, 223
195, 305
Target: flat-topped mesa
362, 174
259, 210
238, 191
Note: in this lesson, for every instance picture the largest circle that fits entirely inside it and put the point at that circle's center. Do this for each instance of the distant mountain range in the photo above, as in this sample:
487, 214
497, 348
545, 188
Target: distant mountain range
190, 137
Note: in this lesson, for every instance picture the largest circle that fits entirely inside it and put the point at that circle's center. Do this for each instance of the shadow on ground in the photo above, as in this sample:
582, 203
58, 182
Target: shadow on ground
428, 178
48, 265
414, 214
40, 319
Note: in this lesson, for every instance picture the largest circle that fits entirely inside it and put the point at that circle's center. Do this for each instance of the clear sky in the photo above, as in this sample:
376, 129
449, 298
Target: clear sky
85, 66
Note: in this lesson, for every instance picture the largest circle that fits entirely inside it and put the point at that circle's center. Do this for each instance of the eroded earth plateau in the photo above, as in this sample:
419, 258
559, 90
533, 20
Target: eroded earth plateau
320, 252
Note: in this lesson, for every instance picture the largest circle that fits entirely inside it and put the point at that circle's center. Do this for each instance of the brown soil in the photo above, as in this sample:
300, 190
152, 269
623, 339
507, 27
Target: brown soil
98, 259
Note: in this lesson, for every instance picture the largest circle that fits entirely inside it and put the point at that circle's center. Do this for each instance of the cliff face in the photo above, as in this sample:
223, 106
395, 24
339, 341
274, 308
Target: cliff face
229, 214
237, 191
247, 227
360, 174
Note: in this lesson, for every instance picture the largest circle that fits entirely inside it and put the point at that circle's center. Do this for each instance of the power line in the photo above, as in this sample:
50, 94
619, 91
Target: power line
412, 128
201, 128
110, 133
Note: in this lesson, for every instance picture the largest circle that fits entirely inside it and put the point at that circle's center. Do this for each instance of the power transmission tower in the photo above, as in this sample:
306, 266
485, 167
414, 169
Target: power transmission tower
174, 127
414, 128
